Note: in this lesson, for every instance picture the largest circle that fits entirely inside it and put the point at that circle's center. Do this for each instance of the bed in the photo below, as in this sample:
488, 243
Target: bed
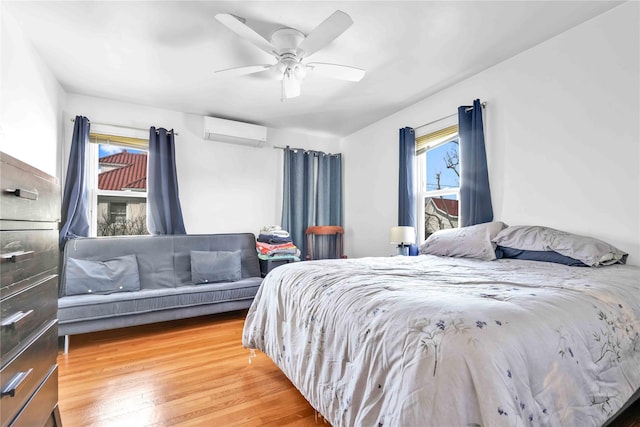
451, 341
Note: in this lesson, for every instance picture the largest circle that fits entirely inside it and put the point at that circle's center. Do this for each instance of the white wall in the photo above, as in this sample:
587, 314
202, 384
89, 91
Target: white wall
562, 129
31, 103
223, 187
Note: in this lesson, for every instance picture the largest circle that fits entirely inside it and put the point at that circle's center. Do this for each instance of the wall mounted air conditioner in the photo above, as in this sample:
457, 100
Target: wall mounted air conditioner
234, 132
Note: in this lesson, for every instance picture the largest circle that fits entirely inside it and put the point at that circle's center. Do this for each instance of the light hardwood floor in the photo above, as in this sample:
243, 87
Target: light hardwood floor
190, 372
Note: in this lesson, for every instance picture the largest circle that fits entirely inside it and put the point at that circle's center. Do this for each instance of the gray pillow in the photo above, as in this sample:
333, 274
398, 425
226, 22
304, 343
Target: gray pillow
590, 251
101, 277
473, 241
216, 266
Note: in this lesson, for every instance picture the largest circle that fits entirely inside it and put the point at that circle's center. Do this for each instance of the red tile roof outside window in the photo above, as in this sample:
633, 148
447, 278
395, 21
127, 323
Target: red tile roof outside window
449, 206
129, 173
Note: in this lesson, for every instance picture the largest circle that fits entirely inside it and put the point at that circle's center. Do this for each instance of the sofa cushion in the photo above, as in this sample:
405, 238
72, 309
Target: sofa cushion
184, 244
215, 266
163, 261
118, 274
78, 308
154, 255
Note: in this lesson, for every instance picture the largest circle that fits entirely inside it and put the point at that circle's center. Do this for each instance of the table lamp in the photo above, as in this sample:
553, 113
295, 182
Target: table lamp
402, 236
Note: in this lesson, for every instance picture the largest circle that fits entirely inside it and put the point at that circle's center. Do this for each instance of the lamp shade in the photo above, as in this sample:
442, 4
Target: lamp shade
402, 235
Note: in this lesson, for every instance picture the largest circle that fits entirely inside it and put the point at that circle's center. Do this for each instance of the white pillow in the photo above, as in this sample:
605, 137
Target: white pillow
474, 241
590, 251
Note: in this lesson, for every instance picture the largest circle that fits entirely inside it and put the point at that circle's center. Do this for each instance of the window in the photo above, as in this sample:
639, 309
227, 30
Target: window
117, 211
118, 184
438, 166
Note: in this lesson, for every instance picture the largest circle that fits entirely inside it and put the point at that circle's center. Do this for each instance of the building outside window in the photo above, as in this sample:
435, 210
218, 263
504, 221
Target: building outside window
117, 211
438, 166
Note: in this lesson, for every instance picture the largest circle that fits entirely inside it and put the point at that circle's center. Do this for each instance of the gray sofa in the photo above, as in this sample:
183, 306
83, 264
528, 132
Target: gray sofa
110, 295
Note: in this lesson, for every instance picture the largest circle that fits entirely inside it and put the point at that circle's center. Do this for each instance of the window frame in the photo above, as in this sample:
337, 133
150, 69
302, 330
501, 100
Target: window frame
93, 170
421, 172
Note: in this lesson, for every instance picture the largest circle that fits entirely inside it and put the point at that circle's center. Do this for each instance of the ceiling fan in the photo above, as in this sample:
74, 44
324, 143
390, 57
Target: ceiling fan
290, 46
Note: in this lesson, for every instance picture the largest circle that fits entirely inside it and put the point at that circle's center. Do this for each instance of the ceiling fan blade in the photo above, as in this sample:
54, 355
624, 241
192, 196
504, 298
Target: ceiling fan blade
240, 28
325, 33
275, 72
241, 71
342, 72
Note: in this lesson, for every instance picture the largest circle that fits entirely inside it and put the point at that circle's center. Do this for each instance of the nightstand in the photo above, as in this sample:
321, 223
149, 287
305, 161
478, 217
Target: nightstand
266, 265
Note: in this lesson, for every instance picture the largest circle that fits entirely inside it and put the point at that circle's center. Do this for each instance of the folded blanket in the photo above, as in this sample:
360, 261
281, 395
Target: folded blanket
271, 249
278, 257
274, 230
293, 252
270, 228
273, 238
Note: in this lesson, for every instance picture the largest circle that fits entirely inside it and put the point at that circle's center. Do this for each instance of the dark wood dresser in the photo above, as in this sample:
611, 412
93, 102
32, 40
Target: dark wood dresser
29, 218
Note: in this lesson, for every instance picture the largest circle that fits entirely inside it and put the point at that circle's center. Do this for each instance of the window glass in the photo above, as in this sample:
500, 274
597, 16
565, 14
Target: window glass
439, 177
441, 212
120, 190
117, 211
443, 166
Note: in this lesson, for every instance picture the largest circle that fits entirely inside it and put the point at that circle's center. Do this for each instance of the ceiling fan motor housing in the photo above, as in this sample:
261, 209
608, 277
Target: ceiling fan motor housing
286, 40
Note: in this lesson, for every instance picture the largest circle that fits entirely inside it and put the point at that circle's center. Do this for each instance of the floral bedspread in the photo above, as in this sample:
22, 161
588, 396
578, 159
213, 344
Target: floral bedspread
429, 341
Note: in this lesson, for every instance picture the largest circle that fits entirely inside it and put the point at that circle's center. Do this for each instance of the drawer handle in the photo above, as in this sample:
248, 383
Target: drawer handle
14, 383
13, 320
17, 256
22, 193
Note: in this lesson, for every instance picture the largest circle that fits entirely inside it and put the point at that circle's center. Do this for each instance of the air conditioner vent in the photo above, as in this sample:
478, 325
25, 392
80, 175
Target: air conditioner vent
233, 132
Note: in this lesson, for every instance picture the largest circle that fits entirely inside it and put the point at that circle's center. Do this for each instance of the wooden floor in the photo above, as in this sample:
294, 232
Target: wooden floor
184, 373
190, 372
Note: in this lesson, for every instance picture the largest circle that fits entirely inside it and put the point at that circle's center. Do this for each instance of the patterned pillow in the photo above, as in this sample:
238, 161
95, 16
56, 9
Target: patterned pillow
468, 242
590, 251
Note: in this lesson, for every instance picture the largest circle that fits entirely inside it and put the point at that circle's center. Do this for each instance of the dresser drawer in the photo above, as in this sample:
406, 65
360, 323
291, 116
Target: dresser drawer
24, 255
27, 194
24, 374
24, 313
38, 411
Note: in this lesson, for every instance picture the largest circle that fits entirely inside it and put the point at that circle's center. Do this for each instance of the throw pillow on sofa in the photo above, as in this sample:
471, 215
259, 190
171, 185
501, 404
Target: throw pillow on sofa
102, 277
216, 266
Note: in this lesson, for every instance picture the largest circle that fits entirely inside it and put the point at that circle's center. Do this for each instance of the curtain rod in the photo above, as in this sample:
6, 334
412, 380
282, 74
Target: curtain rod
484, 104
277, 147
124, 127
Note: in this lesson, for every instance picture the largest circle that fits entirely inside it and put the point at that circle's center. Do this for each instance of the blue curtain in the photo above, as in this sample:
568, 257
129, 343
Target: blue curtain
475, 195
407, 186
329, 191
75, 200
298, 195
164, 214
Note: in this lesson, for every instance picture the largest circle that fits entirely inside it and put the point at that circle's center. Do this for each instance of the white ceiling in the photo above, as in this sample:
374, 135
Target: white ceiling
164, 53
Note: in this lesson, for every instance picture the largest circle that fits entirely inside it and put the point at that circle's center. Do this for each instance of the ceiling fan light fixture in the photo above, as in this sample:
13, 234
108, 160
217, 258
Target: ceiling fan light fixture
290, 86
299, 71
280, 70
